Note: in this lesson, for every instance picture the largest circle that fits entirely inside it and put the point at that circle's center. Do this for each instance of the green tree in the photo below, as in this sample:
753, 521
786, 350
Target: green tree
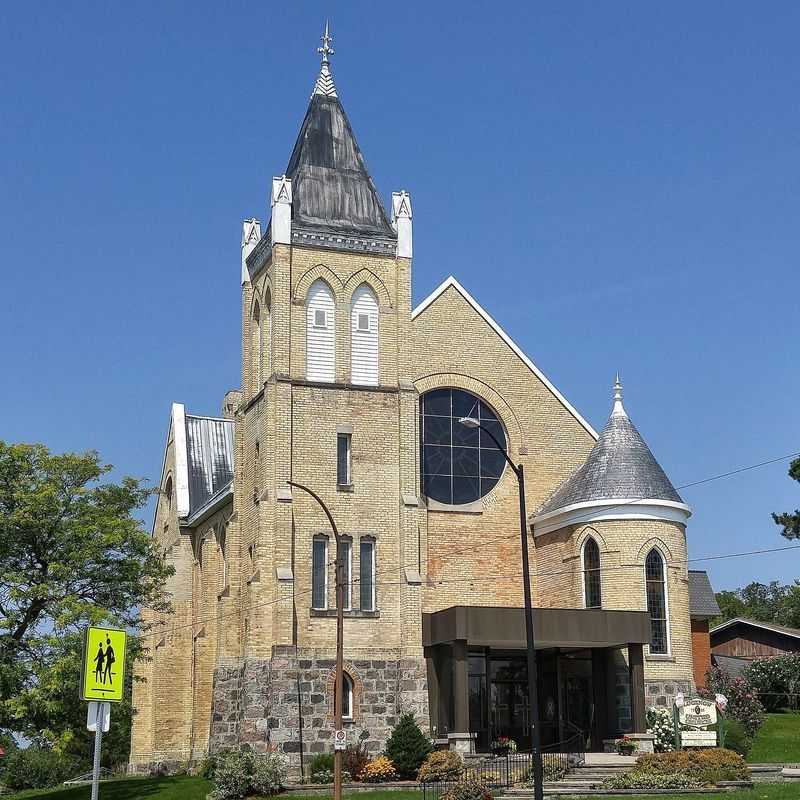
772, 602
72, 554
790, 522
408, 747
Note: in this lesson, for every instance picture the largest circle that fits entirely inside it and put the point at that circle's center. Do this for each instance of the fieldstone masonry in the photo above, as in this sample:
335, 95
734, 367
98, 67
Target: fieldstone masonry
662, 693
263, 704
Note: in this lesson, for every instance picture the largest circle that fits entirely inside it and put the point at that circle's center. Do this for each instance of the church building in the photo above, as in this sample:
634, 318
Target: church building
397, 418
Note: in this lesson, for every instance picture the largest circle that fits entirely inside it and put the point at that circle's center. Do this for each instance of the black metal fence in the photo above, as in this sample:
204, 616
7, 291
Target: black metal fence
515, 769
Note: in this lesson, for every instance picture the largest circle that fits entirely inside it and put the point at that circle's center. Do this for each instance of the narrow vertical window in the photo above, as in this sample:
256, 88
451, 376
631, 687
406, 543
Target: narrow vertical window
367, 574
347, 696
364, 337
343, 459
591, 574
266, 336
257, 365
346, 558
319, 570
320, 333
221, 540
656, 602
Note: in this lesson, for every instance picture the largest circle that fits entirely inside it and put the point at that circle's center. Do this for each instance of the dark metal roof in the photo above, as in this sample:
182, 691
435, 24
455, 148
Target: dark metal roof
768, 626
702, 601
331, 188
209, 451
733, 665
620, 466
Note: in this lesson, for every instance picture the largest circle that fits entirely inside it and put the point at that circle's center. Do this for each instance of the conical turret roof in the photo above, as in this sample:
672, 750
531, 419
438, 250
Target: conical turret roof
619, 467
332, 190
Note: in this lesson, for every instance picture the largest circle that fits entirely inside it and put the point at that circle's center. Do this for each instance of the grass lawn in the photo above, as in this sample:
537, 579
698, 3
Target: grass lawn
765, 791
778, 741
171, 788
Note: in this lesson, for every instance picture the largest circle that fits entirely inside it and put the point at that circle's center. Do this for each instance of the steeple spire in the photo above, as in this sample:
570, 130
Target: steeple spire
619, 409
325, 85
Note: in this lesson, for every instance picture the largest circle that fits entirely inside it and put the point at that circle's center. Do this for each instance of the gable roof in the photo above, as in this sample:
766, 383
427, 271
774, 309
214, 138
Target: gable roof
702, 600
767, 626
452, 282
331, 188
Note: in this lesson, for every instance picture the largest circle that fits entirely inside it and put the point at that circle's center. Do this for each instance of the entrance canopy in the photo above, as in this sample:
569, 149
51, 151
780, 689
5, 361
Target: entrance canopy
564, 628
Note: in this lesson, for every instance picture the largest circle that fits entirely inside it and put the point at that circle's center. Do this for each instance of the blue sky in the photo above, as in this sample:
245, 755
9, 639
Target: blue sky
618, 184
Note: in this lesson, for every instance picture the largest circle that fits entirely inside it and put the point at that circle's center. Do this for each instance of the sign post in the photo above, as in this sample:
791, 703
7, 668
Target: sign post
102, 683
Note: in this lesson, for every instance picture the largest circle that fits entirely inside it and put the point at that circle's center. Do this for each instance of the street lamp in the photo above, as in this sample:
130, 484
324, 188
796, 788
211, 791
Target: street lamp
339, 678
533, 698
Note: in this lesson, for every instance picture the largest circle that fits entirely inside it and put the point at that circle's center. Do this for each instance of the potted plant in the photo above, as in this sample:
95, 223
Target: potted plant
626, 746
503, 745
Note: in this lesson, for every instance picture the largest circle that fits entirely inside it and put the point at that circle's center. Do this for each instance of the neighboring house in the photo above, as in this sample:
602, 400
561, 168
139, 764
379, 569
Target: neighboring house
349, 390
702, 607
735, 643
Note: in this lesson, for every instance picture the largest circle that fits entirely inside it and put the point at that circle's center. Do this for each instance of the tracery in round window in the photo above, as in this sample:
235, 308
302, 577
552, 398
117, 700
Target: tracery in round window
459, 464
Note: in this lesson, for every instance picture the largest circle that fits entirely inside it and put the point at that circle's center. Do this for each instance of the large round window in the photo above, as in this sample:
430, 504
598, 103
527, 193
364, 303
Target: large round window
459, 464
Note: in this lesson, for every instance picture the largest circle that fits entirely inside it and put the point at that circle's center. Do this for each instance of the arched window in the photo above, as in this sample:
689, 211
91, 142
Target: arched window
364, 337
221, 542
347, 697
460, 464
168, 492
256, 348
592, 597
266, 334
654, 575
320, 333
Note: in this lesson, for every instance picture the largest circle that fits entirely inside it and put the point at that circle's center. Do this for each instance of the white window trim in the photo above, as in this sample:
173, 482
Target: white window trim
349, 476
348, 582
361, 316
374, 544
583, 571
320, 538
347, 682
665, 582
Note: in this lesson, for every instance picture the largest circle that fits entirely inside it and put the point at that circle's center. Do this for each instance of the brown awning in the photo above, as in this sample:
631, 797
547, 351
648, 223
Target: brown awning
485, 626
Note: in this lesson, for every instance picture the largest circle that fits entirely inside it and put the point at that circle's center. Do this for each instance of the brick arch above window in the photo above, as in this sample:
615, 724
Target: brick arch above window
358, 691
658, 544
368, 277
313, 274
456, 380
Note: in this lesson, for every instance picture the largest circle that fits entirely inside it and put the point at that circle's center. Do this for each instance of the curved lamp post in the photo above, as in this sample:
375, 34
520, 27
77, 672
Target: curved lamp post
338, 681
533, 698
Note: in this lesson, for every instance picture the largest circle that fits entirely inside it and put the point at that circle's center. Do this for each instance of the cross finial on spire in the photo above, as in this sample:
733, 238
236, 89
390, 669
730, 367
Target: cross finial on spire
619, 409
325, 85
326, 49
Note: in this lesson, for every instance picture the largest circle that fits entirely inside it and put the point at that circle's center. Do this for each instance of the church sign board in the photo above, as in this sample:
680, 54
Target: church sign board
699, 715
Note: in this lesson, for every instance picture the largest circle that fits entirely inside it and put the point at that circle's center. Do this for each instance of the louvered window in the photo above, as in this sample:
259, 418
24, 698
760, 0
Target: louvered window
364, 337
320, 333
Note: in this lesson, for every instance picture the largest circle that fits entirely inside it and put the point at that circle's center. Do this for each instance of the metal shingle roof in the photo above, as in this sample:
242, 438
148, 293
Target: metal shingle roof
209, 449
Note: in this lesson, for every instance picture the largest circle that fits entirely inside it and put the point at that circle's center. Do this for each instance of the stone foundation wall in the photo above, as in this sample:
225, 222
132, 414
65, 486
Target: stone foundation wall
662, 692
263, 704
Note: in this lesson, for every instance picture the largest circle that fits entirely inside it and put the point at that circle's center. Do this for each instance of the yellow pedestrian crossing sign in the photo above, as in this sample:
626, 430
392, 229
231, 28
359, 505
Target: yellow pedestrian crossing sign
103, 665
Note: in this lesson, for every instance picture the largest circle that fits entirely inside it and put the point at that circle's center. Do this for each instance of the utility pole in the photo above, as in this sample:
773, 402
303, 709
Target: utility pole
339, 678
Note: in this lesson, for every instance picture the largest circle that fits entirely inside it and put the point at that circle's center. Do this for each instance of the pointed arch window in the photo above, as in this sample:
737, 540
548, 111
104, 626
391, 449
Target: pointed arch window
320, 333
256, 346
347, 696
655, 584
364, 337
592, 590
168, 492
266, 335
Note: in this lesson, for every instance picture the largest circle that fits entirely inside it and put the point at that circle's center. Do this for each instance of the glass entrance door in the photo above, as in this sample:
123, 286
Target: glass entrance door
508, 701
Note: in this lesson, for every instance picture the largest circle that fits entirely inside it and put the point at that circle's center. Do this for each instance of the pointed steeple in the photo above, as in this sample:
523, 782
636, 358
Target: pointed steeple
333, 193
620, 467
325, 85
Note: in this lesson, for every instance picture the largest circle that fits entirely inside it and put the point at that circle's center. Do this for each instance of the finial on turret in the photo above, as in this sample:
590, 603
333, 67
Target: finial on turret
619, 409
324, 85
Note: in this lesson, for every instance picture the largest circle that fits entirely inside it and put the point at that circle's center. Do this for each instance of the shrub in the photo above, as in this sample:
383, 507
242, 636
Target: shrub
321, 762
661, 725
470, 789
269, 774
379, 770
206, 769
553, 769
705, 766
775, 679
743, 703
354, 758
440, 765
239, 773
38, 768
641, 779
408, 747
326, 776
